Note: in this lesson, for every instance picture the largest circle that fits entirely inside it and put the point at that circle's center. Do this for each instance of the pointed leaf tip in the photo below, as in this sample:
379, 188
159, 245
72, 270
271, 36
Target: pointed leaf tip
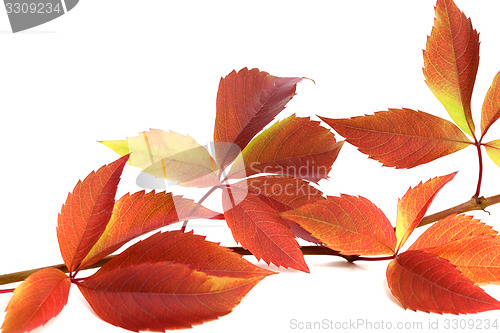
247, 101
451, 60
490, 111
401, 138
118, 146
414, 204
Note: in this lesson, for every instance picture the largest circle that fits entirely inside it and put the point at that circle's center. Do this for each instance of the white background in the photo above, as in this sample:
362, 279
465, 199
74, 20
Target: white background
110, 69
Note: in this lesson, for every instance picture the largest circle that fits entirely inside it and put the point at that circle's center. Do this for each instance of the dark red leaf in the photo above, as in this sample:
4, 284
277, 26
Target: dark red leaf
282, 194
259, 229
247, 101
169, 281
86, 213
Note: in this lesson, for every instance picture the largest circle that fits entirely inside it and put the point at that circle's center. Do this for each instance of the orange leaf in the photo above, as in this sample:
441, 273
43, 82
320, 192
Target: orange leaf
155, 285
247, 101
401, 138
491, 105
414, 204
449, 229
282, 194
37, 300
425, 282
296, 147
87, 210
259, 229
451, 59
139, 213
477, 257
347, 224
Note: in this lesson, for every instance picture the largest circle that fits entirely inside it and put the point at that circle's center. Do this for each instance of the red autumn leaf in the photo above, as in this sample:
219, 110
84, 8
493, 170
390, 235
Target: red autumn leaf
451, 59
490, 111
169, 281
258, 228
296, 147
247, 101
450, 229
401, 138
37, 300
351, 225
414, 204
139, 213
425, 282
189, 249
284, 193
87, 210
162, 295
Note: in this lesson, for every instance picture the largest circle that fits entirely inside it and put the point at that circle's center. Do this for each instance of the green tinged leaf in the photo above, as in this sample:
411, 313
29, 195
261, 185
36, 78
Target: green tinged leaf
169, 155
493, 150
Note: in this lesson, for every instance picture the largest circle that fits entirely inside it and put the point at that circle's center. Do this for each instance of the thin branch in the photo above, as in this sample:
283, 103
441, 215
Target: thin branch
22, 275
359, 258
6, 291
306, 250
473, 204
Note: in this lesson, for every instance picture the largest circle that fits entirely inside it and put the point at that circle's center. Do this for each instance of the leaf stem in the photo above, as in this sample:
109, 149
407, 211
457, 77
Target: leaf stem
360, 258
480, 177
203, 198
6, 291
475, 203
